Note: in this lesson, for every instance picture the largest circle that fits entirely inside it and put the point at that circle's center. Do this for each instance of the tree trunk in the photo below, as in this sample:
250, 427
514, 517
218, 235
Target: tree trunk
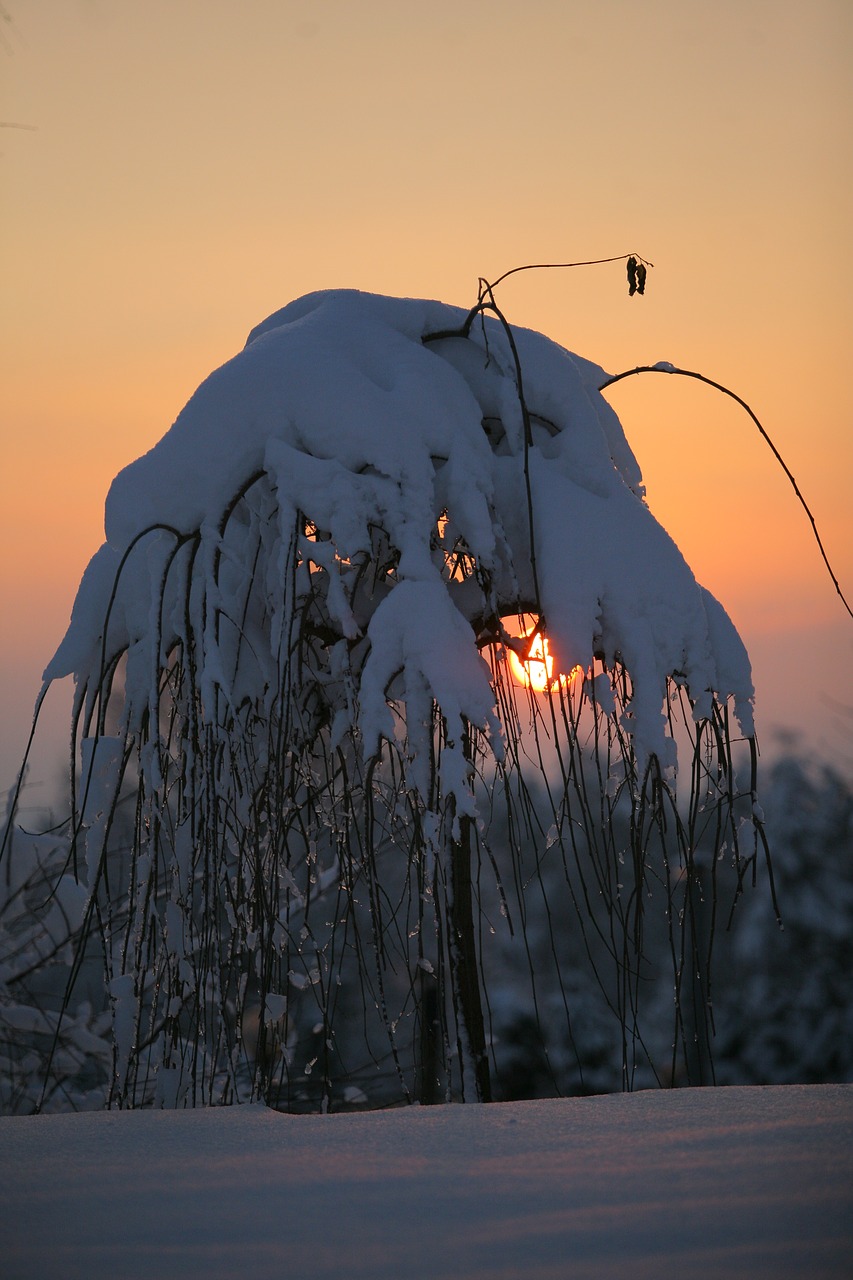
465, 968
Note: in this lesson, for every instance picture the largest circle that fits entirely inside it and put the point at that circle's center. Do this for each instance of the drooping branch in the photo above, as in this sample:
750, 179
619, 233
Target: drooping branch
664, 366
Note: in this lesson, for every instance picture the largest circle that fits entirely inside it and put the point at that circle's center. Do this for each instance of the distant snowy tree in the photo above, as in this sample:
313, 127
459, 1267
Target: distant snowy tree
786, 999
302, 819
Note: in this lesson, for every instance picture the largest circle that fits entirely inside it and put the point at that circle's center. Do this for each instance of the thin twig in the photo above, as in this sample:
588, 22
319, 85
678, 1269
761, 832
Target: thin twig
558, 266
664, 367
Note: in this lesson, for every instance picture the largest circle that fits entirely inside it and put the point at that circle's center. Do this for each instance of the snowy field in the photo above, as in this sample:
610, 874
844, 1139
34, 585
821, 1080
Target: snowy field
740, 1182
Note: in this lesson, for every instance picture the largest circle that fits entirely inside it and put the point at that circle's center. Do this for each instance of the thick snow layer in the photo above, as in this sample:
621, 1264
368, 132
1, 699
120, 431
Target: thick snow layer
741, 1184
361, 424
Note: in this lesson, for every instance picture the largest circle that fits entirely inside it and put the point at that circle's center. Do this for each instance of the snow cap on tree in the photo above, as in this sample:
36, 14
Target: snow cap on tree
371, 416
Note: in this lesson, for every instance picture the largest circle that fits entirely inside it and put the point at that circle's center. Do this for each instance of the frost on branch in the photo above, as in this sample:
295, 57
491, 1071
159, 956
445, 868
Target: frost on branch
292, 650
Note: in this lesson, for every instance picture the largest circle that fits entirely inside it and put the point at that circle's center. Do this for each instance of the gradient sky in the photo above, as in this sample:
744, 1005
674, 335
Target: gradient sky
193, 166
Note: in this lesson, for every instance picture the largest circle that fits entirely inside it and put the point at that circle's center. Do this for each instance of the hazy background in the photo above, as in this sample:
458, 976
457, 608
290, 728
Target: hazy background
193, 166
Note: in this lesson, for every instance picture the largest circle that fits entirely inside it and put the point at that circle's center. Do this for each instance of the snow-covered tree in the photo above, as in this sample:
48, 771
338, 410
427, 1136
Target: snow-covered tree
786, 1001
303, 811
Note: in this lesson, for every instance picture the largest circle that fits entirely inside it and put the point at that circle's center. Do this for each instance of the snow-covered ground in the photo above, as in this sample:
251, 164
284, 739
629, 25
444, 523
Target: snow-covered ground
741, 1182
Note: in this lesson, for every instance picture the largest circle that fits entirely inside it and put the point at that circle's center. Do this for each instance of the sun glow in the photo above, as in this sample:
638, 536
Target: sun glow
536, 670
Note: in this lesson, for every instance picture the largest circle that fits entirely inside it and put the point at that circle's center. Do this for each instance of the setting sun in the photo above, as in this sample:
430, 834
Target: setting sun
536, 671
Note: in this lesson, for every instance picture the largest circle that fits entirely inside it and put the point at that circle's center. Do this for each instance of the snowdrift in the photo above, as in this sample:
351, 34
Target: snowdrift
741, 1184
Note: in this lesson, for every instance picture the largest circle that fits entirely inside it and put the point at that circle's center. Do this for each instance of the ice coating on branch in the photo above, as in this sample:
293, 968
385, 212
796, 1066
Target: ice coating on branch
354, 422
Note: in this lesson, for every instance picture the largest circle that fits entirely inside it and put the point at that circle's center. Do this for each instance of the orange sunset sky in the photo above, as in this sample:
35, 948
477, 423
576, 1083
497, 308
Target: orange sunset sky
192, 165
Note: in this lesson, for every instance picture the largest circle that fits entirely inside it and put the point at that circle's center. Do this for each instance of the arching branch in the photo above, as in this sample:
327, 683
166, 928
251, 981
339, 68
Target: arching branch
664, 366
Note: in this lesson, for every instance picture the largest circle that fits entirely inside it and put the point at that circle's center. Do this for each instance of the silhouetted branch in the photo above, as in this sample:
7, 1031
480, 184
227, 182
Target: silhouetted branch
664, 366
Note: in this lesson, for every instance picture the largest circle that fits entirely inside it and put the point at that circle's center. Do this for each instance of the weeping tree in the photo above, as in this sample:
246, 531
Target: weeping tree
382, 639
